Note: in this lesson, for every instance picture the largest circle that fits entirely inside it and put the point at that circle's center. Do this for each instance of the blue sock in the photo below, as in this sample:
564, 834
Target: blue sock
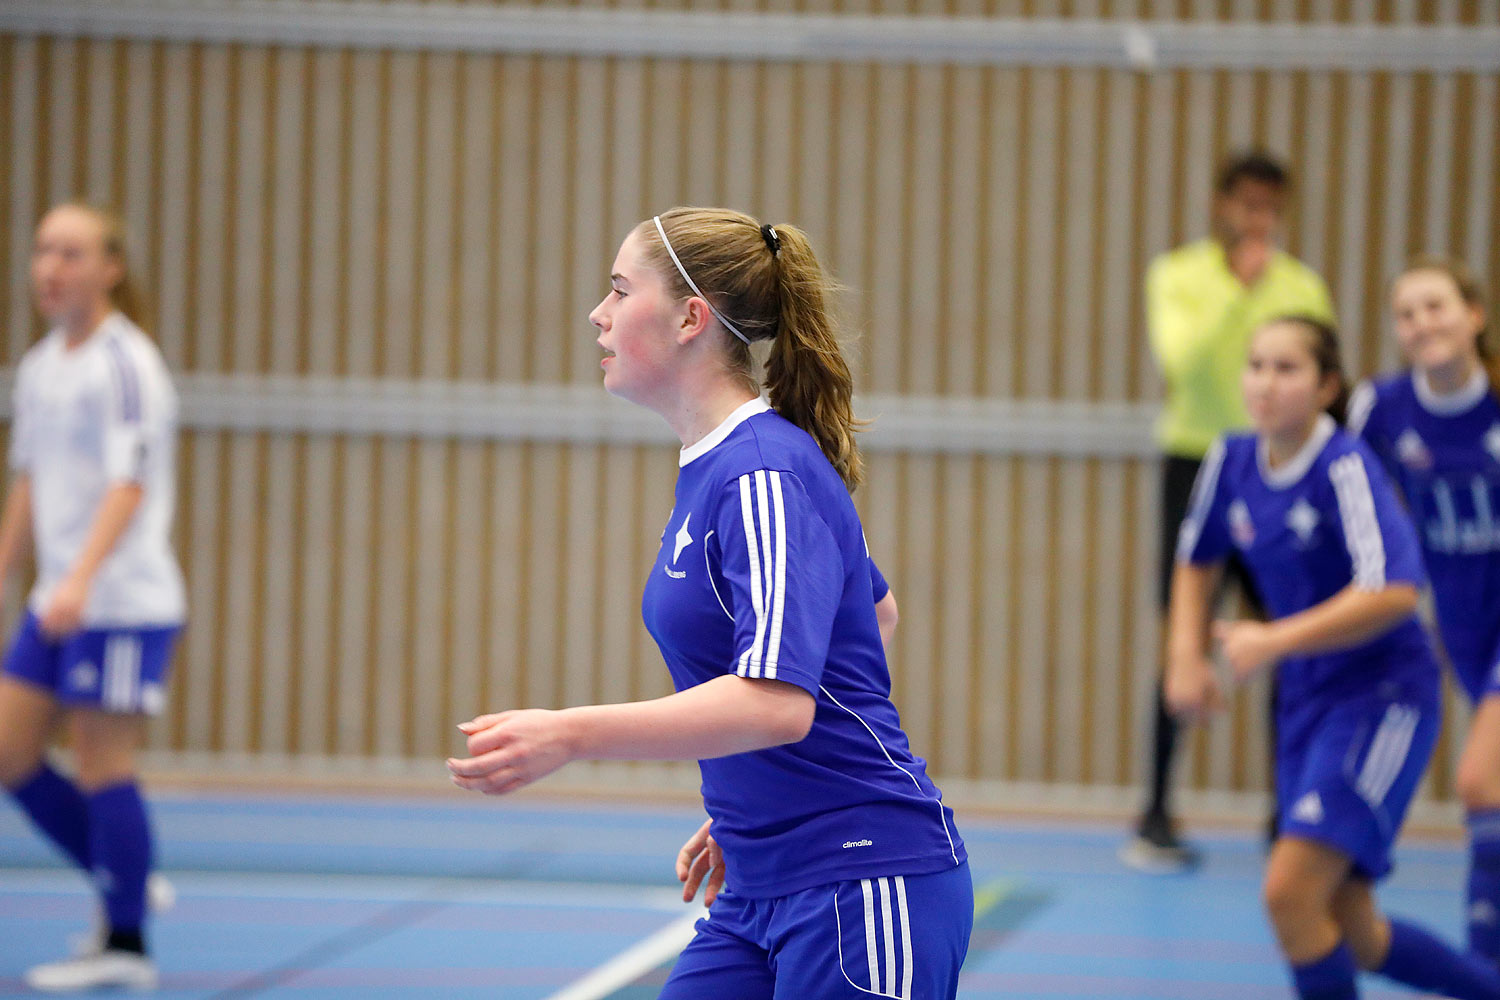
1418, 959
1484, 883
59, 810
121, 842
1329, 978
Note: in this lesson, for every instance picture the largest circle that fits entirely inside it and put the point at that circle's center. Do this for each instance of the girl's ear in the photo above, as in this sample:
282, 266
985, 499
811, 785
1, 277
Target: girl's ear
695, 317
1328, 391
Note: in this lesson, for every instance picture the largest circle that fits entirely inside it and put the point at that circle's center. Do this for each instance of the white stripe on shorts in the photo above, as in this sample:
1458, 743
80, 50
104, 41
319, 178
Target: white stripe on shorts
1387, 754
905, 937
121, 682
890, 939
864, 886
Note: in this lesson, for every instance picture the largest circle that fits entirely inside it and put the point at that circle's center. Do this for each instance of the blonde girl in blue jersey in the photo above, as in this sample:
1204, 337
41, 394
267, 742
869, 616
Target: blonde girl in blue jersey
833, 867
91, 494
1436, 426
1336, 560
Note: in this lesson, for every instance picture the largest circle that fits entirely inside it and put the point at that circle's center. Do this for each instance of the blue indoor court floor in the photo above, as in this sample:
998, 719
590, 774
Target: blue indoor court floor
303, 897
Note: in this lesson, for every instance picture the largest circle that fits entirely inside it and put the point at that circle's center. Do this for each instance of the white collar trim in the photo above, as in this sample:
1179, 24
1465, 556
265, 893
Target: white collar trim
1449, 404
1293, 470
709, 441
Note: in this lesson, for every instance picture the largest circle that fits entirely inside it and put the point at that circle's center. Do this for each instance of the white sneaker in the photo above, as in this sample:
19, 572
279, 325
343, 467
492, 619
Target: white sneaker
161, 896
121, 969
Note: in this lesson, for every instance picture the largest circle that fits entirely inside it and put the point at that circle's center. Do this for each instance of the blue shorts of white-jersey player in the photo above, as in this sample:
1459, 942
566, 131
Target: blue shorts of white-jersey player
112, 669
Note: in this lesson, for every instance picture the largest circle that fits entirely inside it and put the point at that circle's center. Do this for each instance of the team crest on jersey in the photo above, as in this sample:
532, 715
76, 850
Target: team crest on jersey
1241, 527
1303, 519
1492, 441
1412, 450
680, 541
1309, 809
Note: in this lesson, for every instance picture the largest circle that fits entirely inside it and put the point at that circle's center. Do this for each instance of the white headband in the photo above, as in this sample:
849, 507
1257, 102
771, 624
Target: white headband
683, 271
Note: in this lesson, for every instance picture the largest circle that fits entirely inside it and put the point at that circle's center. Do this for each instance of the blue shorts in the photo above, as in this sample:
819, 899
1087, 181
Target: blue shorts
1347, 780
1477, 669
901, 936
118, 669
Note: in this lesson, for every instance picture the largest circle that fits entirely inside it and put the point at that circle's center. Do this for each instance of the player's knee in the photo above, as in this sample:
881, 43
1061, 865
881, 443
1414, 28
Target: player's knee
18, 762
1289, 902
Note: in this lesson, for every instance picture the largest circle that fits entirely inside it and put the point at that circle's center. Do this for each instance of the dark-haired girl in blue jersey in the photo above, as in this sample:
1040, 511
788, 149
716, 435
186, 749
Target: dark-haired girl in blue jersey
1437, 429
1337, 562
844, 875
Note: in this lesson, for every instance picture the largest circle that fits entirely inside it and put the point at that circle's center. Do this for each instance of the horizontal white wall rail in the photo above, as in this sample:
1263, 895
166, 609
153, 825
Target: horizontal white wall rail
584, 31
586, 415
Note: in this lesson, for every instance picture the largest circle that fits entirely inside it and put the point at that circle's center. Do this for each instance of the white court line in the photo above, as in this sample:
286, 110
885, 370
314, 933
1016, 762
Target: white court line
630, 964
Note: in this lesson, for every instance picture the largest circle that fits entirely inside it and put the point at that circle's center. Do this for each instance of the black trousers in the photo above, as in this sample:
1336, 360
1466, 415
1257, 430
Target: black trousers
1178, 476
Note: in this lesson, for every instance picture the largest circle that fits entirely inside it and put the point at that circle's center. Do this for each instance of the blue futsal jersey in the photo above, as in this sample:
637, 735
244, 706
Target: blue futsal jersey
1307, 530
1444, 454
763, 572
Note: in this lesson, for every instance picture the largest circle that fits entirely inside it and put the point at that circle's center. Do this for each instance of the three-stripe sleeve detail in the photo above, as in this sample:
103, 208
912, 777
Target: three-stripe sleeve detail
763, 513
1351, 485
1200, 501
1361, 404
127, 380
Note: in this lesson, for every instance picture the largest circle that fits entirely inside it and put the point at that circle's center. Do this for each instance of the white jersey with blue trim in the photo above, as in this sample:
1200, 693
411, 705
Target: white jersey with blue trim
763, 573
1307, 530
84, 419
1444, 454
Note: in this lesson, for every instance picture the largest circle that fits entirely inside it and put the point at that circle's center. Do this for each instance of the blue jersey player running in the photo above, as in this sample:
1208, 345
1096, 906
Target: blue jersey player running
843, 873
1335, 557
1437, 429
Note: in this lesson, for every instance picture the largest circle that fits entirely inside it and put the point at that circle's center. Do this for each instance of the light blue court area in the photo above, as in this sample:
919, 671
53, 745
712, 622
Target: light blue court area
324, 898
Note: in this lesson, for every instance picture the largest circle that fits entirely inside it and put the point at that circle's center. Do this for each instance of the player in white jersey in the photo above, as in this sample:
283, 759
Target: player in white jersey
91, 454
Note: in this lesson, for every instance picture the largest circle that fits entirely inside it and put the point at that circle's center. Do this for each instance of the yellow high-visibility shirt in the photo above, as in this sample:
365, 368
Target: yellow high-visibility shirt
1200, 319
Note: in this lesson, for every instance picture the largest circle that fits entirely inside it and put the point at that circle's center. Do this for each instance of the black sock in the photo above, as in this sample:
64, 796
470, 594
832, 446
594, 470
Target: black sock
1164, 745
125, 941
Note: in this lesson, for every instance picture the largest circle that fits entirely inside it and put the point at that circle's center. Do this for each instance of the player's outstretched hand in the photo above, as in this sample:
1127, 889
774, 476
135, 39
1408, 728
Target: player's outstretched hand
510, 750
700, 857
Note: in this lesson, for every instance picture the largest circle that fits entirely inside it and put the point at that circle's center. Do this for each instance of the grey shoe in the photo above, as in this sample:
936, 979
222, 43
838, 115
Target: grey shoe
117, 969
1156, 848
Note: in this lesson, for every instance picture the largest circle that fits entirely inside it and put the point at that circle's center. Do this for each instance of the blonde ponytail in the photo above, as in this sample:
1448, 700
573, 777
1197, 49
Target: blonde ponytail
768, 283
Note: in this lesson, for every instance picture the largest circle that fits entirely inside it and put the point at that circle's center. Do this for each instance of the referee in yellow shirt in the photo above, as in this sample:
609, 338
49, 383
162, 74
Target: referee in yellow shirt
1203, 301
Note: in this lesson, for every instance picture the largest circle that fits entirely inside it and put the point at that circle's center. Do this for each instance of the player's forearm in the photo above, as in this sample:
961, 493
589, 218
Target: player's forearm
15, 523
1346, 619
723, 716
1188, 614
115, 512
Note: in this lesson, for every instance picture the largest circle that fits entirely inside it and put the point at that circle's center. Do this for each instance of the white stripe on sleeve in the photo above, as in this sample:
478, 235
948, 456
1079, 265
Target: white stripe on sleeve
1202, 498
778, 581
1351, 484
1361, 403
749, 659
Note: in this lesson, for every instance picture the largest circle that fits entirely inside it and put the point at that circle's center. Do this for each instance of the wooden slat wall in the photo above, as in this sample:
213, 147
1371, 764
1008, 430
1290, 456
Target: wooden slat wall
452, 216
